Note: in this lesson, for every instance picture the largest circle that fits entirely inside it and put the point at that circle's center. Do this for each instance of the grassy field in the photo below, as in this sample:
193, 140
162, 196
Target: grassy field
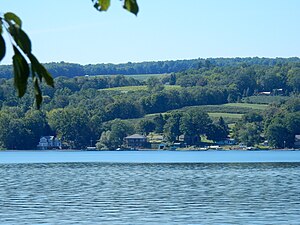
230, 112
265, 99
140, 77
143, 77
138, 88
225, 115
247, 105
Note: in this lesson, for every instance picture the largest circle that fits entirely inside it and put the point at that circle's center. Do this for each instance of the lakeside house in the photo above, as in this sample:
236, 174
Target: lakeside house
49, 142
297, 141
136, 141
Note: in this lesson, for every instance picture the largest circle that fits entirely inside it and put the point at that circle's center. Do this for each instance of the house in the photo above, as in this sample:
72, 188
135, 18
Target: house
136, 141
49, 142
189, 139
227, 141
297, 141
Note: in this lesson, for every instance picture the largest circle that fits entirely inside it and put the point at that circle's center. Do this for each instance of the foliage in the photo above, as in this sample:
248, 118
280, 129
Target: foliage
78, 111
114, 136
145, 126
21, 45
154, 84
71, 126
24, 62
130, 5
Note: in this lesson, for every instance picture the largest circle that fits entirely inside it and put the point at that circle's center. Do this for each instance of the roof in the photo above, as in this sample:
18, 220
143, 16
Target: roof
48, 137
136, 136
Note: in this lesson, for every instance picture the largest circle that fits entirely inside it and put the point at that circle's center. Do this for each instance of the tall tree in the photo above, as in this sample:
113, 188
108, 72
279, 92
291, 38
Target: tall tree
72, 126
194, 122
172, 127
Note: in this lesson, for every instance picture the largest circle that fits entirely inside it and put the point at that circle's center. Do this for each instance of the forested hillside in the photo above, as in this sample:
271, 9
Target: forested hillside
160, 67
86, 108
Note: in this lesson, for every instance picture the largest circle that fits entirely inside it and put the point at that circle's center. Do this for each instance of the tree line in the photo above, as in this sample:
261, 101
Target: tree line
160, 67
244, 80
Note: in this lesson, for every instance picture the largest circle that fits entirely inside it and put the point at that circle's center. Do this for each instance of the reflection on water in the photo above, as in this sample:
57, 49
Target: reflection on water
114, 193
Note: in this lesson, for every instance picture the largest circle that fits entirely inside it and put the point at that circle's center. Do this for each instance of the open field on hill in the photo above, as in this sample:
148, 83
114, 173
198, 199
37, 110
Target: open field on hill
230, 112
143, 77
140, 77
138, 88
265, 99
234, 108
247, 105
225, 115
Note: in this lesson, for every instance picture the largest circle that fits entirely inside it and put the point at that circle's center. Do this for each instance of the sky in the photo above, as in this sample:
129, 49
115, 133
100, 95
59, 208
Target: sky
73, 31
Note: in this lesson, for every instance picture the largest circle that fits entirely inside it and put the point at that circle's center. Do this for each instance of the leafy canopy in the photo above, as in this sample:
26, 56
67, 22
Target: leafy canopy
24, 62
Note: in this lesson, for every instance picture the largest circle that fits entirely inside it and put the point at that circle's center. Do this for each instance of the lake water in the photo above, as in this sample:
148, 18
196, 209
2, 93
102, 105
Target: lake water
213, 187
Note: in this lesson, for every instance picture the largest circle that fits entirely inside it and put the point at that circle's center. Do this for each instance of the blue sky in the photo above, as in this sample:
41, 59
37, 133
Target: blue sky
73, 31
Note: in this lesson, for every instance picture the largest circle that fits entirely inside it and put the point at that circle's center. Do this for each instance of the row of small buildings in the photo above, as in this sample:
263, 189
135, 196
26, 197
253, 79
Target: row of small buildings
138, 141
132, 141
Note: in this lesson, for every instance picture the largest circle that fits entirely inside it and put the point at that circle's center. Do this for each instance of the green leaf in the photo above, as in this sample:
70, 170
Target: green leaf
21, 38
9, 17
40, 70
2, 47
21, 72
38, 93
131, 6
1, 26
102, 5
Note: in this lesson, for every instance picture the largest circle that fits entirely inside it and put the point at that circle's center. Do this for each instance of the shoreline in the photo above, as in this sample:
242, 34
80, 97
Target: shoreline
148, 150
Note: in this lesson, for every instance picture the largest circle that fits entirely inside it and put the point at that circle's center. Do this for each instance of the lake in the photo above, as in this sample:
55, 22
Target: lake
149, 187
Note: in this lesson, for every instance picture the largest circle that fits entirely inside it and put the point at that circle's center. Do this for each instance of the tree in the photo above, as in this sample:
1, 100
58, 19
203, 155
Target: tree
216, 132
221, 122
294, 79
35, 121
171, 127
194, 122
154, 84
23, 55
113, 138
159, 122
105, 141
21, 45
145, 126
13, 132
279, 136
72, 126
249, 134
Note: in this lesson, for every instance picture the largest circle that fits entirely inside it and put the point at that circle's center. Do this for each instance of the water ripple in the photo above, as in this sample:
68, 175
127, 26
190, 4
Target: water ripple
116, 193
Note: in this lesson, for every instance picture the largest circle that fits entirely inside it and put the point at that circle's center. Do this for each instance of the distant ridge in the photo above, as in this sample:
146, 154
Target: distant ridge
154, 67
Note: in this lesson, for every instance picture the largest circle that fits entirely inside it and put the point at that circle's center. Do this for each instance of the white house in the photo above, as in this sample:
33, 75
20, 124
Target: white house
297, 141
49, 142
